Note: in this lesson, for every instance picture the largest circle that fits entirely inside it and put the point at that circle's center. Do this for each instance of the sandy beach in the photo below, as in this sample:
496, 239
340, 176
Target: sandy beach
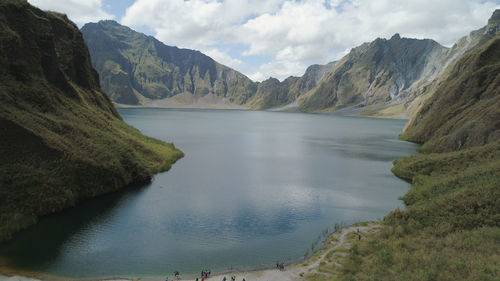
333, 250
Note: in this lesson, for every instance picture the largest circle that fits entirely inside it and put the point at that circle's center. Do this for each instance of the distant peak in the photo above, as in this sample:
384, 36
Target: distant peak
100, 23
113, 22
396, 37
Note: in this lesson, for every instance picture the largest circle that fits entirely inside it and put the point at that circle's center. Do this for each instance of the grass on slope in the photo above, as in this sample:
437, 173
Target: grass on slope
450, 229
61, 139
52, 157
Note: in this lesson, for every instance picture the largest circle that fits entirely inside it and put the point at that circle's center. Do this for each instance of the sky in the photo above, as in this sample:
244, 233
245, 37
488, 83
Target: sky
279, 38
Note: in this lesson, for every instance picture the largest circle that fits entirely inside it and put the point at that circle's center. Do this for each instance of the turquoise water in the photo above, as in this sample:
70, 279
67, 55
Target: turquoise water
253, 188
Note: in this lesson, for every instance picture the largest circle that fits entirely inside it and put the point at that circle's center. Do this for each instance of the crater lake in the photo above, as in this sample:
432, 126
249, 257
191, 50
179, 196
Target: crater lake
254, 188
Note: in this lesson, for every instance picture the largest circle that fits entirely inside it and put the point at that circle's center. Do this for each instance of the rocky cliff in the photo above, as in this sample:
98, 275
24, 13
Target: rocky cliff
390, 78
62, 139
377, 72
136, 69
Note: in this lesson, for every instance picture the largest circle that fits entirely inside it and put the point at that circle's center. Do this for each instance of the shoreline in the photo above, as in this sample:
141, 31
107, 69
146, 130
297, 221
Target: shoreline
335, 245
346, 112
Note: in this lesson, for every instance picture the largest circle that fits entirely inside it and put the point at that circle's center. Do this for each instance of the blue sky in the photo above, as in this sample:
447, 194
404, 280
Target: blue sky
279, 38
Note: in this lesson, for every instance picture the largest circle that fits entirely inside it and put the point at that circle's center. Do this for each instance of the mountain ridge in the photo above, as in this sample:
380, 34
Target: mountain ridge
121, 81
383, 78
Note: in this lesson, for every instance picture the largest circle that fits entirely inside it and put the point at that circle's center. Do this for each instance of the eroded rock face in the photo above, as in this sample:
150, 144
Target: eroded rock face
376, 72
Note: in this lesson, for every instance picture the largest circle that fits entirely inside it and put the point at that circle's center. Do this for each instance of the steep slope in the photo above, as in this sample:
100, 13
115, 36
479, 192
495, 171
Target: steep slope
464, 111
136, 68
273, 93
62, 139
376, 72
425, 89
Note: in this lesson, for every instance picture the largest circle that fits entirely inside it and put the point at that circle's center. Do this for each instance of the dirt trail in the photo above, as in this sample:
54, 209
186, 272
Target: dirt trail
334, 248
338, 240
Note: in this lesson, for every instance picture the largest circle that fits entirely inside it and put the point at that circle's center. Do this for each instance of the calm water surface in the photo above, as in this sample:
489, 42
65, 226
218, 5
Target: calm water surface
254, 188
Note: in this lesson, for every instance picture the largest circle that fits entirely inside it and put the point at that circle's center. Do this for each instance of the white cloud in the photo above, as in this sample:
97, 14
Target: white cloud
280, 69
223, 58
295, 33
78, 11
194, 23
309, 30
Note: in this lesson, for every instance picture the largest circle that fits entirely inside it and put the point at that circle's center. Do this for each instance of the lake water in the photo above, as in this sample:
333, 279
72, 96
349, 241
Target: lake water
253, 188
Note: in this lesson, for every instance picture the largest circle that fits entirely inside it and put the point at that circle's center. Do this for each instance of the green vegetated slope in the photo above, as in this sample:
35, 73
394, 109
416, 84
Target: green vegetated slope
450, 229
61, 138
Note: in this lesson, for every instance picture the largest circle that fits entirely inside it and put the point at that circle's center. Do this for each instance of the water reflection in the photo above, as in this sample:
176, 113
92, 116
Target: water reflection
43, 244
253, 188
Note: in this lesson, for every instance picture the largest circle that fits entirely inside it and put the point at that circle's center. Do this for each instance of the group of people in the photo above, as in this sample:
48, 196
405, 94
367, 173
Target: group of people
176, 274
204, 274
280, 266
233, 278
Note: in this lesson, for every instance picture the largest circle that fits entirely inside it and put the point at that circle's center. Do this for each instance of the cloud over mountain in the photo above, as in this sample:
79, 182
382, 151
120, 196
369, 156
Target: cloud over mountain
80, 12
279, 38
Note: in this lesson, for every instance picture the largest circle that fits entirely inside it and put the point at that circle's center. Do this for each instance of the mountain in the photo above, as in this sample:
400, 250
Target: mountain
391, 77
377, 72
62, 140
136, 69
384, 78
426, 88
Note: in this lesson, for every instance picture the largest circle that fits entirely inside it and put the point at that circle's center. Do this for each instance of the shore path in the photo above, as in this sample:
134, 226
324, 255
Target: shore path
335, 248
